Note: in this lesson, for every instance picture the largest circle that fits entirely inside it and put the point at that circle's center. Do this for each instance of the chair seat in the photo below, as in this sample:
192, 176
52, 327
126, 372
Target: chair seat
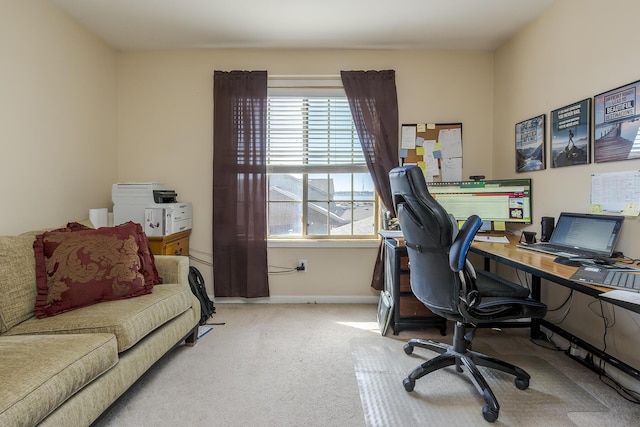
492, 285
502, 308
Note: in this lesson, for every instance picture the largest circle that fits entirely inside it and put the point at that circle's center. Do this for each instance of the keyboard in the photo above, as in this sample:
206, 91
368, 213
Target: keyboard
575, 252
550, 248
622, 280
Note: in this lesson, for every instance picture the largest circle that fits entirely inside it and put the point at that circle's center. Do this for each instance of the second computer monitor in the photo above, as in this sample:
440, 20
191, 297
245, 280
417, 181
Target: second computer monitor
501, 200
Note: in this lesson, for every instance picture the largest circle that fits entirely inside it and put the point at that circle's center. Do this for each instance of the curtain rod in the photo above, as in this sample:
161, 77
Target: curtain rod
303, 77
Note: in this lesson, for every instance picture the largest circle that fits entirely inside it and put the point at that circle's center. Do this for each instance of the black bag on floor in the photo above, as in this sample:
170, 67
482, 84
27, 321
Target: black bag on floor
197, 287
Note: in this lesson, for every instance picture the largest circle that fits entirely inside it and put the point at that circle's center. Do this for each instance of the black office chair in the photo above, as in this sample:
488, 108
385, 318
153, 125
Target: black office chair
445, 282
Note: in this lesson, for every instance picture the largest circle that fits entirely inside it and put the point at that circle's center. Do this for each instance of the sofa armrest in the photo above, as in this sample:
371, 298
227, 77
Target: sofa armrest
173, 269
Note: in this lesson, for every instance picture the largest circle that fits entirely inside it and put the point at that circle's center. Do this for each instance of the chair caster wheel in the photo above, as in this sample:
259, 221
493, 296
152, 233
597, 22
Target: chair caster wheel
408, 384
489, 414
408, 348
522, 383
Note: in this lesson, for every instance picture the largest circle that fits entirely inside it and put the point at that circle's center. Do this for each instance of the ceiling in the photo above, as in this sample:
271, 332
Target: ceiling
305, 24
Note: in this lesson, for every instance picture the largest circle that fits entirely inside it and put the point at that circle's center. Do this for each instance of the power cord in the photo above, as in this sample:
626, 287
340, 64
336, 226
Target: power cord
200, 260
627, 394
283, 270
553, 346
568, 302
569, 297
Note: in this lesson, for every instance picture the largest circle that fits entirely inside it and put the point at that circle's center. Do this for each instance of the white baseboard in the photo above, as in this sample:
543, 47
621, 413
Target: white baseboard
301, 299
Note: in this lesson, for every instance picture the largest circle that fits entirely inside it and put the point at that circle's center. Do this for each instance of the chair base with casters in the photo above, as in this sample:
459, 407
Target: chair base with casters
460, 354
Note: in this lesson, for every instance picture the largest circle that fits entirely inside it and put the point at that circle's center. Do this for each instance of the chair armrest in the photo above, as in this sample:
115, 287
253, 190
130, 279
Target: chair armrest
462, 243
173, 269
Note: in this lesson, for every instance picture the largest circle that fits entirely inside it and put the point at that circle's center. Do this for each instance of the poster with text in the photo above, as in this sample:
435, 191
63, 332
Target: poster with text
530, 145
571, 134
616, 124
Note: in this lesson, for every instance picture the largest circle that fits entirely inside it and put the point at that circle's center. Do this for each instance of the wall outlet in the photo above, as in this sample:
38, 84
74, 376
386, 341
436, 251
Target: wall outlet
302, 265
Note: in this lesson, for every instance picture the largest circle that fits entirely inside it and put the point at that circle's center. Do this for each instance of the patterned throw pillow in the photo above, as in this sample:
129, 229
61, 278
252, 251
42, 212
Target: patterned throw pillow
87, 266
149, 270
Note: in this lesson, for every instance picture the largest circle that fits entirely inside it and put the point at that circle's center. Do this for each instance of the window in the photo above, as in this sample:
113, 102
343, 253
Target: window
318, 182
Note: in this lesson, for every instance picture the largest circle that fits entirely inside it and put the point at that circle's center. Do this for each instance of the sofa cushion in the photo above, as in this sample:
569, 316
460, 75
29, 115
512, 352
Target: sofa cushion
40, 372
128, 319
17, 280
77, 269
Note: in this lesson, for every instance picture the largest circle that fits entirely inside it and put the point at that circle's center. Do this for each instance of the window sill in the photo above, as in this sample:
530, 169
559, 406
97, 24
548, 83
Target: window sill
322, 243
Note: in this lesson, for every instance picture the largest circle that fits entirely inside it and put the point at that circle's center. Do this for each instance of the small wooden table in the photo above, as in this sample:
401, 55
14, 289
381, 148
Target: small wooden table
172, 244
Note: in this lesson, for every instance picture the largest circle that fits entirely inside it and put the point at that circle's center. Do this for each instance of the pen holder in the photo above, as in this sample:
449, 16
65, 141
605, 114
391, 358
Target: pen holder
529, 236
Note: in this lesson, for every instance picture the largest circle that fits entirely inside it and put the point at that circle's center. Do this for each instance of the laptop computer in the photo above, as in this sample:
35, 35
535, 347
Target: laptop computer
581, 235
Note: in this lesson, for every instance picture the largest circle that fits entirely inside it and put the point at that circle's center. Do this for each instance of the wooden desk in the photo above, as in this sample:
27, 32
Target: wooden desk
407, 311
541, 266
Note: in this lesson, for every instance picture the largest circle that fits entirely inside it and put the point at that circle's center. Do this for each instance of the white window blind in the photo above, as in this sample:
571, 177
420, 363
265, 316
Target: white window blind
312, 134
319, 185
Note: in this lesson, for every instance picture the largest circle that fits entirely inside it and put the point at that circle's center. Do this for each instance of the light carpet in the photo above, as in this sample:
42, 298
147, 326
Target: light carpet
445, 395
327, 365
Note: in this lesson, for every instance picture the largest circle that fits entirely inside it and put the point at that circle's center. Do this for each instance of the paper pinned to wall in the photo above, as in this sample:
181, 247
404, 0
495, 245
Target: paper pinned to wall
616, 192
452, 169
430, 160
451, 140
408, 140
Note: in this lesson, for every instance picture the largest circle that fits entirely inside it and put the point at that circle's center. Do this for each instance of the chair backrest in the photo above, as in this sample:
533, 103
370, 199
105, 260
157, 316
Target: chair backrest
428, 231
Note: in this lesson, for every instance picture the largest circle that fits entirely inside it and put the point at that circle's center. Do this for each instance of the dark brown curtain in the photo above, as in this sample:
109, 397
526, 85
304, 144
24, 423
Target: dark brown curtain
374, 106
239, 184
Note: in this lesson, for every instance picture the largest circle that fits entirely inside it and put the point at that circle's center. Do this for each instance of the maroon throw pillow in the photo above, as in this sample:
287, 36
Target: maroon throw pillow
84, 267
149, 270
76, 226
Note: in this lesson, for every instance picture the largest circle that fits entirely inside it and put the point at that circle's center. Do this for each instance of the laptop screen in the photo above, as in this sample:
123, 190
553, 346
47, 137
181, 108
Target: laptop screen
598, 233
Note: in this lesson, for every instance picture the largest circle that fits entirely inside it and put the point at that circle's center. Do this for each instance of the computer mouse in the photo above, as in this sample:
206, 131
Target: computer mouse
602, 261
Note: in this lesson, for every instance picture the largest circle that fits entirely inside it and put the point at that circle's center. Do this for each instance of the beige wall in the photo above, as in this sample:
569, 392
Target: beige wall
565, 56
57, 118
165, 111
579, 48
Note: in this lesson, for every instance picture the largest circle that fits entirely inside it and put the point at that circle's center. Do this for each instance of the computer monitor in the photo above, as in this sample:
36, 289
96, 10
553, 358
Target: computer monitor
500, 200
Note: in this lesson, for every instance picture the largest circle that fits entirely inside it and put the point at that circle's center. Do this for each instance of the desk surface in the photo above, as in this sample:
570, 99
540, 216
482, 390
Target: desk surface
536, 263
541, 266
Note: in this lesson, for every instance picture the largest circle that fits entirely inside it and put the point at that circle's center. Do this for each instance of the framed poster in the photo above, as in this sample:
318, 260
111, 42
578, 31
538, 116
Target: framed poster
530, 145
571, 134
616, 124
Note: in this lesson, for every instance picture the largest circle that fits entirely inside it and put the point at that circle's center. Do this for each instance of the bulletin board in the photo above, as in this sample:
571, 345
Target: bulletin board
435, 147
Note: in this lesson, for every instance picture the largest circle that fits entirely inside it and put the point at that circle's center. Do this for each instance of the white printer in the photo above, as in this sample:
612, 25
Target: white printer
150, 205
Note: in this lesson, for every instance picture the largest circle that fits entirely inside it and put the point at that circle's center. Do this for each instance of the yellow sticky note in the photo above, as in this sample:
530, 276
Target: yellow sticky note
431, 125
596, 209
499, 226
423, 166
630, 209
421, 127
419, 151
460, 224
437, 146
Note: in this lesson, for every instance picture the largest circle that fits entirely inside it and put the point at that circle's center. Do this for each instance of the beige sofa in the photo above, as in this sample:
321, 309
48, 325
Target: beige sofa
66, 370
